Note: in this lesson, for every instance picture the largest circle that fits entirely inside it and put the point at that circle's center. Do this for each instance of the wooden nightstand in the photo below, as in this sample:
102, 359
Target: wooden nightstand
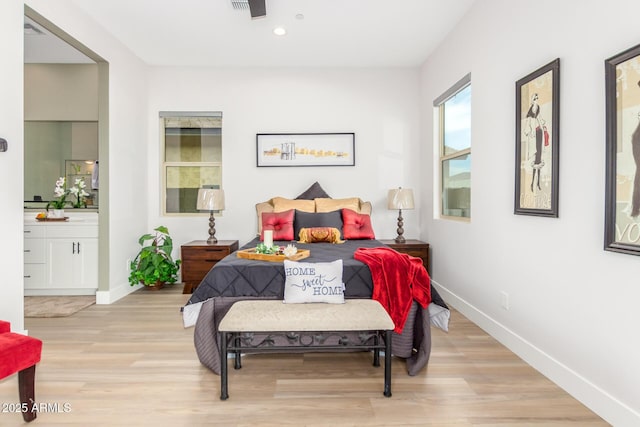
411, 247
198, 257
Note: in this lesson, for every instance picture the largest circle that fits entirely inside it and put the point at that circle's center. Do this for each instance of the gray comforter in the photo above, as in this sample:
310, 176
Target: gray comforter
234, 279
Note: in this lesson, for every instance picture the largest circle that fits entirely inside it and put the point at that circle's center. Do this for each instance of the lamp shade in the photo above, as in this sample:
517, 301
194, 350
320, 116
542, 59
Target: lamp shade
400, 198
210, 199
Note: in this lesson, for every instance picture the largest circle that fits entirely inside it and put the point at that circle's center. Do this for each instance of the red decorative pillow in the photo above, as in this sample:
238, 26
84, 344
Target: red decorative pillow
356, 225
280, 222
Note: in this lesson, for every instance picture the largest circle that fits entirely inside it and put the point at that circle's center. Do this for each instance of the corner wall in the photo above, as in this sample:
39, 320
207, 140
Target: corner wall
573, 307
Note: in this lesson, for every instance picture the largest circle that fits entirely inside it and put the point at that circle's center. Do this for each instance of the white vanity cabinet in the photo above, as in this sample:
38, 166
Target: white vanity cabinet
61, 258
72, 257
35, 268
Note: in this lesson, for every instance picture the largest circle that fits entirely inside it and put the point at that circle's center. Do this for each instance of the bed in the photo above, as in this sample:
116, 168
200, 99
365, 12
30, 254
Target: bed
235, 278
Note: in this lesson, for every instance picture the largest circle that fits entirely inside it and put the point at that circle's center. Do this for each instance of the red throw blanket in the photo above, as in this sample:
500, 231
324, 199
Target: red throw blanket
398, 279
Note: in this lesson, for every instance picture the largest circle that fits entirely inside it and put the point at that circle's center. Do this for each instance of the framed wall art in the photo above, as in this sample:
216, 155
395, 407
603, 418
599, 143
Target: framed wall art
537, 142
305, 149
622, 194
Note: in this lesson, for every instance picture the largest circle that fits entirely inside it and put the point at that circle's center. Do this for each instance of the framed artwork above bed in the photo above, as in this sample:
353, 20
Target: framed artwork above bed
305, 149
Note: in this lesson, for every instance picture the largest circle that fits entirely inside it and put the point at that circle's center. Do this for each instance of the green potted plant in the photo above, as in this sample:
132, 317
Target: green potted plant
154, 266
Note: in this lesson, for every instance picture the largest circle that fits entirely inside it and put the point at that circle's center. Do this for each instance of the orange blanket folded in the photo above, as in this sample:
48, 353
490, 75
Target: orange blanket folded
398, 280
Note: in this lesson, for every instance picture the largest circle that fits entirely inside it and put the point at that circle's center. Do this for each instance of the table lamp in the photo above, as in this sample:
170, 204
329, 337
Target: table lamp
400, 198
210, 199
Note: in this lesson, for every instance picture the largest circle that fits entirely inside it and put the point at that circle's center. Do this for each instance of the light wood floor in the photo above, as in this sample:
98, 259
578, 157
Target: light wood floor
133, 364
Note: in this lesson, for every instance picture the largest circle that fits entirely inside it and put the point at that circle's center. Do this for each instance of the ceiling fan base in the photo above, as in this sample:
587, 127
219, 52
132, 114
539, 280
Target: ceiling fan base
257, 8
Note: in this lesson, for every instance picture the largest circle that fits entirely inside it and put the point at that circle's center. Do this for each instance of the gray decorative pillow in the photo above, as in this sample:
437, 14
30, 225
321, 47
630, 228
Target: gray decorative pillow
314, 192
308, 282
318, 219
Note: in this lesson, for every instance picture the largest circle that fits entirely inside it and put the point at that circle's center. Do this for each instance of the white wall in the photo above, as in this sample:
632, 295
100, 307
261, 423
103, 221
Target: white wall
380, 106
11, 165
67, 92
573, 307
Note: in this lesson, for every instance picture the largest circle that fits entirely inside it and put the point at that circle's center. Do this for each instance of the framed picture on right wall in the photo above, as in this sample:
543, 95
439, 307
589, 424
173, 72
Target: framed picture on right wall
622, 196
537, 142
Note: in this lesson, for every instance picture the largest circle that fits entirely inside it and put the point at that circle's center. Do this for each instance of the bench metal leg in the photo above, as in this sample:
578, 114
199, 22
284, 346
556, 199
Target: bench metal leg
236, 344
376, 350
387, 363
224, 392
235, 339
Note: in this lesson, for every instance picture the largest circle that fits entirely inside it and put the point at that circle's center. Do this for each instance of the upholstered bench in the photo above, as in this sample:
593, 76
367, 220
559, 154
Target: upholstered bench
304, 326
20, 353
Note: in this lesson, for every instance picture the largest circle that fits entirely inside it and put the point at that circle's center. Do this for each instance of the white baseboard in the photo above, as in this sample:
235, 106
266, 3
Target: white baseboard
58, 292
598, 400
113, 295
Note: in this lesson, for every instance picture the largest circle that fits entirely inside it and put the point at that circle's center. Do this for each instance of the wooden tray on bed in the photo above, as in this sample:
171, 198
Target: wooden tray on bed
251, 254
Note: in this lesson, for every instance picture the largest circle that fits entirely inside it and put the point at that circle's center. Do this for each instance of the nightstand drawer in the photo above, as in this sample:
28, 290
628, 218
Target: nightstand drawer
415, 248
198, 258
418, 253
196, 272
204, 254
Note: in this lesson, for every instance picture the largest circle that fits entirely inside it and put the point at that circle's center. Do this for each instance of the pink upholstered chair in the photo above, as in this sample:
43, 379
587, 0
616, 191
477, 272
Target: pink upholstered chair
20, 353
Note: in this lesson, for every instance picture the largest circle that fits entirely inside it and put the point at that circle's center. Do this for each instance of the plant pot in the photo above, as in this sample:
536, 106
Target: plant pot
56, 213
156, 287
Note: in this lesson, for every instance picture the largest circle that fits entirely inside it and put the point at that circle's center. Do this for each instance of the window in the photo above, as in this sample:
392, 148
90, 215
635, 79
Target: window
191, 158
453, 114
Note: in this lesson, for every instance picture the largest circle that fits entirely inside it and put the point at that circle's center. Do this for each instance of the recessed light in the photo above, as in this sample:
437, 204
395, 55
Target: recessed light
299, 16
279, 31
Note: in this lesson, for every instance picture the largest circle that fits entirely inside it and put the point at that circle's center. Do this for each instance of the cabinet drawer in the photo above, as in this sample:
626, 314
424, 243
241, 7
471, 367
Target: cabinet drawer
33, 231
73, 231
34, 251
419, 253
196, 272
204, 254
198, 257
35, 276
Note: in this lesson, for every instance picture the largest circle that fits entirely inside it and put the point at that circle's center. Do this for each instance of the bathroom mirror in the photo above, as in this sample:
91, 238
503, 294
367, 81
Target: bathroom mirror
58, 148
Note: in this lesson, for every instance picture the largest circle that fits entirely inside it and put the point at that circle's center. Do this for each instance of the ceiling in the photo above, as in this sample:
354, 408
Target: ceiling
320, 33
40, 46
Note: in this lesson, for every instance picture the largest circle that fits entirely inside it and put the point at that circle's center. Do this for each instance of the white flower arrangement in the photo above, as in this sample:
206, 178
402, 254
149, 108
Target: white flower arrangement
290, 251
61, 192
78, 190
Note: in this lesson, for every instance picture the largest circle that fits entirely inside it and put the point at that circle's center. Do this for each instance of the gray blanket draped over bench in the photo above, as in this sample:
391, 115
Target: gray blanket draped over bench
234, 279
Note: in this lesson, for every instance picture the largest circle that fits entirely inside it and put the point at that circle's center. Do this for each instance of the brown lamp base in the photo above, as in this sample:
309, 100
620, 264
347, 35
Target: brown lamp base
400, 230
212, 230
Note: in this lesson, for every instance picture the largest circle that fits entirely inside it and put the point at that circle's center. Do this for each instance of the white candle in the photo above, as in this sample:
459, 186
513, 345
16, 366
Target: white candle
268, 238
